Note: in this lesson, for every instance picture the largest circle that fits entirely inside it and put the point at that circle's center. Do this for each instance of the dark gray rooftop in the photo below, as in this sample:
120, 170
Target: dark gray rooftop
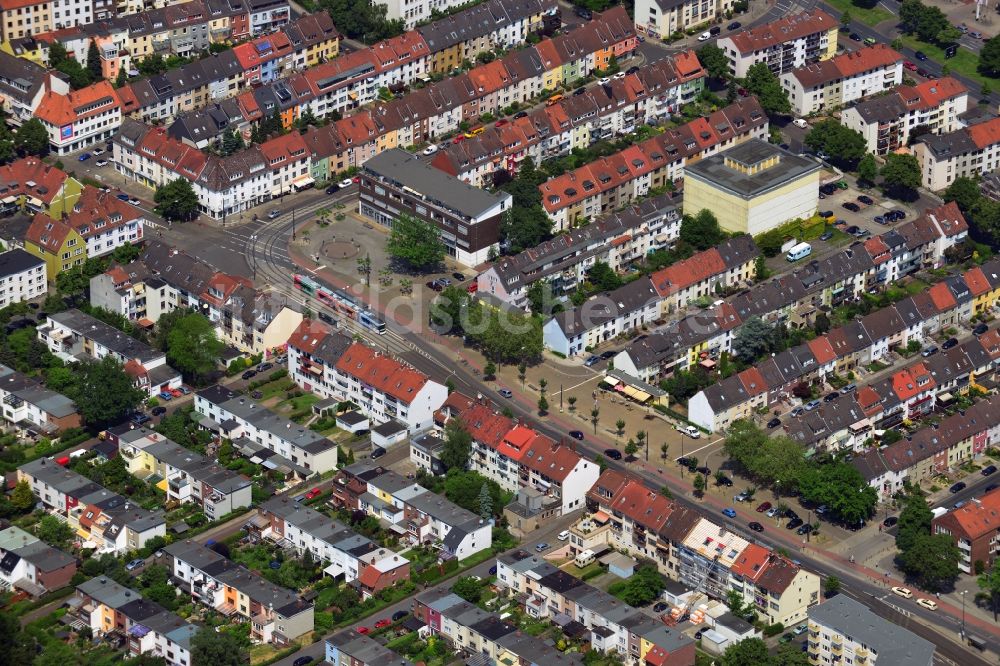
715, 170
892, 643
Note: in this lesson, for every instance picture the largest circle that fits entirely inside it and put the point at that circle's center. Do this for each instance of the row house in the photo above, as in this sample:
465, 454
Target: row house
613, 626
783, 45
163, 279
796, 296
517, 457
234, 417
843, 79
467, 627
276, 614
611, 182
23, 85
185, 475
29, 564
423, 516
112, 610
350, 648
346, 555
97, 224
625, 514
730, 264
331, 365
32, 409
73, 334
101, 519
563, 262
933, 450
887, 122
966, 152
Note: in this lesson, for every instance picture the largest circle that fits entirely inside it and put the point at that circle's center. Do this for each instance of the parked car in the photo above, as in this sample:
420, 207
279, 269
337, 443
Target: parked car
957, 488
166, 395
830, 397
774, 423
804, 529
84, 157
743, 497
302, 661
812, 404
333, 189
923, 72
377, 452
763, 506
800, 122
850, 388
902, 591
264, 367
981, 328
755, 526
314, 493
273, 214
121, 197
383, 623
660, 607
608, 354
541, 547
177, 393
801, 629
794, 523
949, 343
134, 564
855, 37
158, 410
576, 434
890, 521
797, 411
921, 56
976, 35
772, 513
249, 374
724, 481
614, 454
434, 286
101, 163
704, 470
140, 418
592, 361
506, 393
909, 66
928, 604
459, 277
827, 235
704, 37
930, 351
878, 219
429, 150
690, 431
363, 630
729, 511
347, 182
735, 25
399, 615
991, 487
684, 461
851, 206
184, 389
987, 471
563, 535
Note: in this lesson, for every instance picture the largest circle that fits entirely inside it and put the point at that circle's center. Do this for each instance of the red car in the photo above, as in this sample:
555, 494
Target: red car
383, 623
315, 492
363, 630
764, 506
458, 139
502, 122
177, 393
907, 65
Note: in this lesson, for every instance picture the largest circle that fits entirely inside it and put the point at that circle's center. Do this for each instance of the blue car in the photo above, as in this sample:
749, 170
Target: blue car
122, 197
84, 157
166, 395
729, 512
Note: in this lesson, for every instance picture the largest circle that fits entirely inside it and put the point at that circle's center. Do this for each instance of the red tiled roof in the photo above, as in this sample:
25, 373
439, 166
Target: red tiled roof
977, 517
783, 30
935, 91
688, 272
486, 426
976, 280
942, 297
48, 180
309, 334
516, 442
384, 373
822, 350
60, 110
949, 217
751, 561
753, 382
551, 459
985, 134
912, 381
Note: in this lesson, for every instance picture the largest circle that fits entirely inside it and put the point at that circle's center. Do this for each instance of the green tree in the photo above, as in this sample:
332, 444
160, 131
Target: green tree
121, 79
631, 447
468, 588
842, 488
94, 62
901, 174
839, 142
831, 586
620, 427
595, 416
748, 652
152, 65
32, 138
22, 498
965, 192
54, 532
699, 484
177, 200
103, 393
753, 340
415, 242
543, 405
642, 588
457, 445
603, 277
232, 142
868, 169
211, 648
914, 521
932, 560
193, 347
16, 648
989, 58
760, 270
526, 224
714, 60
485, 502
541, 299
989, 582
762, 82
846, 18
701, 231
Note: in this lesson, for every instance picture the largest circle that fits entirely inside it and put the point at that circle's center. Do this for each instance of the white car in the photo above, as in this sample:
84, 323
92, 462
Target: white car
429, 150
772, 512
690, 431
800, 122
928, 604
903, 592
97, 151
704, 37
619, 75
347, 182
101, 163
563, 535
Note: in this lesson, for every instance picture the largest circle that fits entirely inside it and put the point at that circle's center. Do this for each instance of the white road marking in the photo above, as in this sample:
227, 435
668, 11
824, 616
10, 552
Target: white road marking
586, 381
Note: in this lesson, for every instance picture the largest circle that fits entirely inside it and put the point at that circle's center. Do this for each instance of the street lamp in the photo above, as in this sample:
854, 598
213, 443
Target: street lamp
964, 592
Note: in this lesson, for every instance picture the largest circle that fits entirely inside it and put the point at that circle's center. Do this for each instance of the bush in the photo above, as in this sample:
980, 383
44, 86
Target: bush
773, 629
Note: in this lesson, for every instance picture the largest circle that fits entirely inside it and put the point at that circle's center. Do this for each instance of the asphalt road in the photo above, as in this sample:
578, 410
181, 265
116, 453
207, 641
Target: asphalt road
973, 489
267, 250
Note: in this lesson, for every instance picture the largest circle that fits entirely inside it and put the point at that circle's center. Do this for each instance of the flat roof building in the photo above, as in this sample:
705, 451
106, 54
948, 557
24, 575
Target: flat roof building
842, 628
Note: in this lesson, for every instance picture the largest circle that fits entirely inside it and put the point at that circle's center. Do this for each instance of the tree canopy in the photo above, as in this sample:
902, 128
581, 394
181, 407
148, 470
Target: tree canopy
191, 344
362, 19
714, 60
212, 648
932, 560
762, 82
701, 231
642, 588
766, 460
103, 392
603, 277
914, 521
502, 335
901, 174
989, 57
989, 582
929, 24
753, 340
415, 242
840, 487
176, 200
526, 224
31, 138
839, 142
457, 445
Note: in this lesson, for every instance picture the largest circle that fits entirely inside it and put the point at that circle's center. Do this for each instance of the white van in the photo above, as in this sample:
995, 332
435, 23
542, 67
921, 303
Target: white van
584, 558
563, 535
799, 251
799, 122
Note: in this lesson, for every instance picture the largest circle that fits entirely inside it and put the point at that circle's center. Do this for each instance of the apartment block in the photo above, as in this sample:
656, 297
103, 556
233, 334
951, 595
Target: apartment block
73, 333
783, 45
842, 629
974, 528
186, 476
664, 18
101, 519
80, 118
22, 277
966, 152
235, 417
887, 122
276, 614
843, 79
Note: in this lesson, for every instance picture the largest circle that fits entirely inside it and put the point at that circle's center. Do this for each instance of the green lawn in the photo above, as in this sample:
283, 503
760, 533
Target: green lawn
274, 388
964, 62
867, 16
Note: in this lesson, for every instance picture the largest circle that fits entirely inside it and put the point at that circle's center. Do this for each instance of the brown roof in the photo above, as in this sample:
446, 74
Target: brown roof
979, 517
783, 30
847, 65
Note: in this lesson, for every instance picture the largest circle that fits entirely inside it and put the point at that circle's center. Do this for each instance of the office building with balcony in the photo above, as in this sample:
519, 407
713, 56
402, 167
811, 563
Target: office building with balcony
887, 122
32, 409
395, 182
185, 475
842, 630
783, 45
73, 335
235, 417
843, 79
975, 529
276, 614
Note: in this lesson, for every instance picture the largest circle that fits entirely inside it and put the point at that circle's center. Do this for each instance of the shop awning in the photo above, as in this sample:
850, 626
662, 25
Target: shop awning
641, 396
610, 381
304, 179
